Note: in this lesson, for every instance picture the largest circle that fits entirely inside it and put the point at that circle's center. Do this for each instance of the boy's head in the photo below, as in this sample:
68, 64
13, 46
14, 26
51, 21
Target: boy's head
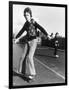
27, 13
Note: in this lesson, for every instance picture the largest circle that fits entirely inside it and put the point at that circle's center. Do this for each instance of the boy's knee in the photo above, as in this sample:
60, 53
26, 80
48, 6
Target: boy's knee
29, 57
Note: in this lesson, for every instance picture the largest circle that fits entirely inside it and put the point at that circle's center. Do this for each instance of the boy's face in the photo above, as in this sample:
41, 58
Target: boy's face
27, 16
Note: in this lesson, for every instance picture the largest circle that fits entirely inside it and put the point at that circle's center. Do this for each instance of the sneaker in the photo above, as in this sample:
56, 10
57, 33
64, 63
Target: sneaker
18, 72
57, 56
31, 77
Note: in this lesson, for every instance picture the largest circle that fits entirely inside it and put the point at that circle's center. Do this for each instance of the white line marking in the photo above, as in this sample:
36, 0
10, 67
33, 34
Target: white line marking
50, 69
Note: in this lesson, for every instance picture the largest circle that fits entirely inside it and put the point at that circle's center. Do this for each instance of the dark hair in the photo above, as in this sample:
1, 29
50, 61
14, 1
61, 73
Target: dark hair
27, 10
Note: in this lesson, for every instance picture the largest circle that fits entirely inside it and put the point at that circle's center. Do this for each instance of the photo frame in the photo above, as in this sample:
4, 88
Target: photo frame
14, 80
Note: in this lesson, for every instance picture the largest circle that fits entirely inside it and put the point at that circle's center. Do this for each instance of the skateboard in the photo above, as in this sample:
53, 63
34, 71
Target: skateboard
24, 76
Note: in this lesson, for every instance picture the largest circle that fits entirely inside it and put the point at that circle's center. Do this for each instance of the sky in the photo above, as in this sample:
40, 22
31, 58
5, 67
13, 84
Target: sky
52, 19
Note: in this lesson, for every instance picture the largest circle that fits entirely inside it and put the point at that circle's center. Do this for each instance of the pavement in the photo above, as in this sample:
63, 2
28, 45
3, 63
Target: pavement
49, 69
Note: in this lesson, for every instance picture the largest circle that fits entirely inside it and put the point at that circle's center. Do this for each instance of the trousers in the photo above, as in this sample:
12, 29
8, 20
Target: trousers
26, 63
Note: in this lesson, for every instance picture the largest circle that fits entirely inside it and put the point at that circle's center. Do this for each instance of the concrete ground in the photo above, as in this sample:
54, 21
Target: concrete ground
49, 69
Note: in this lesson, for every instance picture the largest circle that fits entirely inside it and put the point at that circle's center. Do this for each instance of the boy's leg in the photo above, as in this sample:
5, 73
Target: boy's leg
21, 61
55, 51
30, 61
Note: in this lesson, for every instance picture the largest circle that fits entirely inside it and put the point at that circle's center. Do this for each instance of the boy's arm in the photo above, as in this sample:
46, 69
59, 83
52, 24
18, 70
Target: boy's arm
21, 31
41, 28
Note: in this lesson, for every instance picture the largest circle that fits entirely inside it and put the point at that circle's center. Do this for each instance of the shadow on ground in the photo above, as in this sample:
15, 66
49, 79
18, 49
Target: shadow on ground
23, 77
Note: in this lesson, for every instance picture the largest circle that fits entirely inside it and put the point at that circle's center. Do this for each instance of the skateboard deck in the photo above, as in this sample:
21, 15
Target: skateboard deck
23, 76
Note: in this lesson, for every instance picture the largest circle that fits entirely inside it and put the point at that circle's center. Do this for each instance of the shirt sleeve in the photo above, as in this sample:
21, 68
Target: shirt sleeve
41, 28
21, 31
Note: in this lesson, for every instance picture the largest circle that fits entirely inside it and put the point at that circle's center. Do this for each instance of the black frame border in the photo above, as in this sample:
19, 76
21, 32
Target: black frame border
11, 3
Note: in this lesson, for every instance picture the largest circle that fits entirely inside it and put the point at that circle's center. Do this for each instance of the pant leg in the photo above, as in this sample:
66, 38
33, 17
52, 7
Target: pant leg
55, 52
22, 61
30, 62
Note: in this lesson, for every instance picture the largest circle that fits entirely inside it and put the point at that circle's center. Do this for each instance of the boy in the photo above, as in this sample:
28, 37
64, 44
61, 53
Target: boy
56, 45
27, 63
